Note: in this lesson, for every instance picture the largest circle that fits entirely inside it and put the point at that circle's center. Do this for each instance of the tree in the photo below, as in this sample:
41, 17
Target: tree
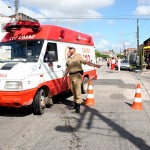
121, 56
104, 56
97, 53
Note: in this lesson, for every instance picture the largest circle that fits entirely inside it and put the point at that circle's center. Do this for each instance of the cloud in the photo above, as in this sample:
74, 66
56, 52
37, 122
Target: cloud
102, 45
97, 35
143, 2
55, 10
58, 11
105, 45
67, 8
5, 8
142, 10
31, 13
68, 4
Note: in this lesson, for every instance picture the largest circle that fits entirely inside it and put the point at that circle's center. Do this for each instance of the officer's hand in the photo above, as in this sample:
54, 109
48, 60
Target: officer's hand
97, 66
64, 80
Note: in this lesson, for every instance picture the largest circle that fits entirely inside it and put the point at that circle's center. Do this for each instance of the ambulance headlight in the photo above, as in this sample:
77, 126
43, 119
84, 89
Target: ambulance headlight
13, 85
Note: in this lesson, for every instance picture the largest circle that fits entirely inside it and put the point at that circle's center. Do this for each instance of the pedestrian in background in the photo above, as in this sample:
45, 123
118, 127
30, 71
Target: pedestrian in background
118, 63
108, 62
113, 63
74, 68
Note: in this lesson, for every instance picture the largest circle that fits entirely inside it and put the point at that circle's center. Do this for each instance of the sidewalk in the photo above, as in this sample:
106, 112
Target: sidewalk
144, 71
147, 71
144, 77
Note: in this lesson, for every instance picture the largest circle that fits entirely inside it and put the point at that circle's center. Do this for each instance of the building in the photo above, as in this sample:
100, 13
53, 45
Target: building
24, 17
129, 51
147, 52
109, 53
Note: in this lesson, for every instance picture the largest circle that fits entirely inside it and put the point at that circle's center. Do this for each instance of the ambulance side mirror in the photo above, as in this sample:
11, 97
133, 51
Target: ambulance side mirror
51, 56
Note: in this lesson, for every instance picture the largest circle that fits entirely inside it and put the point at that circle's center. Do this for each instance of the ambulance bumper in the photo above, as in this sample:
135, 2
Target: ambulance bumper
17, 98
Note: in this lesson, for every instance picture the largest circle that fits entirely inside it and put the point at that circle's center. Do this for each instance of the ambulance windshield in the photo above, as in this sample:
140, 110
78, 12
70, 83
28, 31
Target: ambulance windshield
26, 51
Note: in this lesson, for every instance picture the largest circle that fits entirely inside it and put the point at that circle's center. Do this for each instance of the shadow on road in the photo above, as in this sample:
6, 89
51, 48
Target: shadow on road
15, 112
138, 142
128, 104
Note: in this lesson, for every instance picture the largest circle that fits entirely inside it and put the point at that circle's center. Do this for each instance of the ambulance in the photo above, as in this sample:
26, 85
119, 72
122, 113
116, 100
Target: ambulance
26, 77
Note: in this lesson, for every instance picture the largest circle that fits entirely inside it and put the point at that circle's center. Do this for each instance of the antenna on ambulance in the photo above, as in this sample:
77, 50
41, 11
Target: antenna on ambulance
16, 2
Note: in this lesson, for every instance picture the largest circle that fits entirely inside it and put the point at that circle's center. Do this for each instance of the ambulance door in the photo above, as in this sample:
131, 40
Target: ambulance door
52, 70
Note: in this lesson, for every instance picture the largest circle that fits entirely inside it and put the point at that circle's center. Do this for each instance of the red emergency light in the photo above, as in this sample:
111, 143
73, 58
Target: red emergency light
21, 23
9, 27
62, 34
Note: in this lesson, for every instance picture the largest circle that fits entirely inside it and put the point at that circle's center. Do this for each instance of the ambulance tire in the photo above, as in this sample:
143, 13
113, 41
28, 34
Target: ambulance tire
84, 86
38, 109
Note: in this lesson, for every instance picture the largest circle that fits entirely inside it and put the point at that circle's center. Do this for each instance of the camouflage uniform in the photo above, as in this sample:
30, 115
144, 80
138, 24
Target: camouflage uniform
74, 65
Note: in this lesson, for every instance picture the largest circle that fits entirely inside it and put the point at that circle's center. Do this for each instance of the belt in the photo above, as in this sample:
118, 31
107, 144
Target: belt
71, 73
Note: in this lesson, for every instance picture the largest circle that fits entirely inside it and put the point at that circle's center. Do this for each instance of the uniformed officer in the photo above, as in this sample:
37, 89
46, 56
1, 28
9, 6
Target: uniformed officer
74, 68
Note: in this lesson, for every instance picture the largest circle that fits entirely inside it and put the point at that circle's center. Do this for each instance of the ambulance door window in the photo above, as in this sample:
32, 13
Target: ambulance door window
51, 47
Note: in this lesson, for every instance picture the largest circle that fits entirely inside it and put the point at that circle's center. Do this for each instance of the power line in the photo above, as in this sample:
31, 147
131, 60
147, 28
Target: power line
100, 18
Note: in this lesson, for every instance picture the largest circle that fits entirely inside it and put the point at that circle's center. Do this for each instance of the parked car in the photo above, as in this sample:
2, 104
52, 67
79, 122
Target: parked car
125, 65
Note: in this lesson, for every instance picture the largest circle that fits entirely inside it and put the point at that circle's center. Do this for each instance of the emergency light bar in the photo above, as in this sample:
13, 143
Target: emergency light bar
35, 26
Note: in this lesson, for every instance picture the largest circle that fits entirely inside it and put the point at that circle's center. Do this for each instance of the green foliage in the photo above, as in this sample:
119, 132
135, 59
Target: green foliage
121, 56
105, 56
99, 54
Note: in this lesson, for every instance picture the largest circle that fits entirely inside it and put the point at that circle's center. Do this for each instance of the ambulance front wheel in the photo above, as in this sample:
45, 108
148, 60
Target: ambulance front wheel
39, 102
85, 84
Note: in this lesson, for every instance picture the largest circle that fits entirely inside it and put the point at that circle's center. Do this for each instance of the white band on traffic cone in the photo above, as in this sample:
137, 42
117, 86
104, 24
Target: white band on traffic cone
90, 96
90, 87
138, 90
137, 99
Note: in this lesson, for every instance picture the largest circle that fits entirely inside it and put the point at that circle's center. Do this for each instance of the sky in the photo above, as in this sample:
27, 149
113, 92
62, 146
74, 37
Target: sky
112, 23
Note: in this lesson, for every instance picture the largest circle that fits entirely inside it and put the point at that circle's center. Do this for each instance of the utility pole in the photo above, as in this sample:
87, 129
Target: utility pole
138, 52
124, 50
120, 50
16, 9
138, 36
123, 46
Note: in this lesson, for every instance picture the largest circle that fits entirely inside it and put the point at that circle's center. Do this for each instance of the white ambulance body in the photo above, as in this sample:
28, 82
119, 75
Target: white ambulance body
26, 79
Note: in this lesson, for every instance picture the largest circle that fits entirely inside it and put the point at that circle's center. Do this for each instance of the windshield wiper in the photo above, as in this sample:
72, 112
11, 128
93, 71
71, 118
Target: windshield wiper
18, 60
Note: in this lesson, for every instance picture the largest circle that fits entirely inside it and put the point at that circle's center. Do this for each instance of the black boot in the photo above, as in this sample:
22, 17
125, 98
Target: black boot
73, 107
77, 108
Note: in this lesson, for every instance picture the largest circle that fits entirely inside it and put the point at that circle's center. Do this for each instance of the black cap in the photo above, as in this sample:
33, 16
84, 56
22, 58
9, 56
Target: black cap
71, 47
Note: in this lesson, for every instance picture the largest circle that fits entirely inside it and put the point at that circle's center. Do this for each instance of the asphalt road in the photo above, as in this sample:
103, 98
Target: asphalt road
110, 124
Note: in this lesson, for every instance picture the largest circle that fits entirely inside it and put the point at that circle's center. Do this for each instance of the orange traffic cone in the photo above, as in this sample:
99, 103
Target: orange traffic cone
90, 96
137, 104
